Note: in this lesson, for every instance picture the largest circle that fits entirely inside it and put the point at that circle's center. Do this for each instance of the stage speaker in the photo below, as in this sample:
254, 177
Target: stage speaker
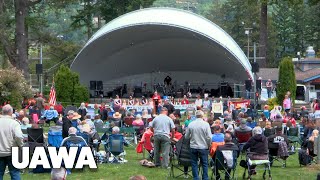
255, 67
99, 85
39, 69
258, 84
248, 85
93, 85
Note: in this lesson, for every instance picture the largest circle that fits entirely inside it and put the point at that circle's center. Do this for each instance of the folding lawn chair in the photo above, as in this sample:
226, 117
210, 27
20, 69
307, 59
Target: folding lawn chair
293, 134
130, 135
273, 155
242, 137
225, 161
249, 162
114, 148
180, 158
35, 138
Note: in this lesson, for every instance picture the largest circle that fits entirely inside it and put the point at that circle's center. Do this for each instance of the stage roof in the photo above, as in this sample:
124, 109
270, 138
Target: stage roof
160, 39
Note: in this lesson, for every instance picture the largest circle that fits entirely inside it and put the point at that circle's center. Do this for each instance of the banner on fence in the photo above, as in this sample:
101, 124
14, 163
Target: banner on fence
240, 104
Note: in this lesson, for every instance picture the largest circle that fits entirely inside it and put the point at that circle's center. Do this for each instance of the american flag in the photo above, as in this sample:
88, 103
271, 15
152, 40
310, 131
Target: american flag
53, 99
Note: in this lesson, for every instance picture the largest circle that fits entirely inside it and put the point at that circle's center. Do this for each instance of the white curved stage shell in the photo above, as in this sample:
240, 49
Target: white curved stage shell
146, 45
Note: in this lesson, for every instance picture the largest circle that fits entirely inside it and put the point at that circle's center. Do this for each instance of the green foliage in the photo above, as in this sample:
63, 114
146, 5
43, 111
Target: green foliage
68, 88
13, 87
287, 80
272, 102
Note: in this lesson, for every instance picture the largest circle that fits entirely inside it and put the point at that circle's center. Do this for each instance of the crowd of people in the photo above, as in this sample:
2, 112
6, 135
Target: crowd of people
163, 126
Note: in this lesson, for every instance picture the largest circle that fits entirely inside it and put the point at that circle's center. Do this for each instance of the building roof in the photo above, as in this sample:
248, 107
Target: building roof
160, 39
306, 76
268, 73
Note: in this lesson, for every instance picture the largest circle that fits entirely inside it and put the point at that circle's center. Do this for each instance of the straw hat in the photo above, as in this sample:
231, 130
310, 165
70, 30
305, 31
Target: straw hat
117, 115
76, 115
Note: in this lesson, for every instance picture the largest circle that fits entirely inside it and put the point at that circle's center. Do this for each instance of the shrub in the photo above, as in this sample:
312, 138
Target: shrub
272, 102
287, 80
13, 87
68, 88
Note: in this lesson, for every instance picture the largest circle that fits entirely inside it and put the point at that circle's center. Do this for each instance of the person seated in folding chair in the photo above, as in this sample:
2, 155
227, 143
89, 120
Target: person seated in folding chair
50, 115
114, 145
225, 157
74, 141
258, 148
243, 133
274, 143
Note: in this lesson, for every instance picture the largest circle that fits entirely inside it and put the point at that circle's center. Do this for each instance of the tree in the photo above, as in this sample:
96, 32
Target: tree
68, 88
16, 50
287, 80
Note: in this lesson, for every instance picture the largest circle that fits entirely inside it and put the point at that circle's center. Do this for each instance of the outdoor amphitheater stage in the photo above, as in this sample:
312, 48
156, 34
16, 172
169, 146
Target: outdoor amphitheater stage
141, 48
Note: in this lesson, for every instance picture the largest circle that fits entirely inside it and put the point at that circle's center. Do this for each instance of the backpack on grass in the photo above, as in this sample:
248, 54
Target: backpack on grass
304, 157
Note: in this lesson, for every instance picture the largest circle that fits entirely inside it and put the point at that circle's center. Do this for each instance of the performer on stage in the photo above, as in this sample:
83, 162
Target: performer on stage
167, 80
117, 103
131, 101
156, 100
185, 100
144, 101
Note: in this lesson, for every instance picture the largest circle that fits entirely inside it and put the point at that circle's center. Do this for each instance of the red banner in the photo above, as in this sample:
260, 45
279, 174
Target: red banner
240, 104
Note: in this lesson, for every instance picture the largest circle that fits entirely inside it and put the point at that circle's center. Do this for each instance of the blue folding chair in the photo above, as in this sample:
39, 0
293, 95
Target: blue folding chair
114, 148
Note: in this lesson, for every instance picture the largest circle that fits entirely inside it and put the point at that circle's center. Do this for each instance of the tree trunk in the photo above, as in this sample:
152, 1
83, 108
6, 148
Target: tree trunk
21, 38
263, 35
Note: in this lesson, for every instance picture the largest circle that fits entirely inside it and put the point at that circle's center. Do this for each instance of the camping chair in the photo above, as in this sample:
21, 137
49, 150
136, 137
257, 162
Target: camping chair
242, 137
249, 162
293, 134
148, 146
273, 154
268, 132
180, 158
55, 136
35, 138
114, 148
130, 135
225, 161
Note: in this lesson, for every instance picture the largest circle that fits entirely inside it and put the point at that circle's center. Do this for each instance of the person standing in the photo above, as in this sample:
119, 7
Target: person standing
286, 104
82, 110
10, 136
269, 87
162, 125
199, 133
40, 105
67, 123
198, 102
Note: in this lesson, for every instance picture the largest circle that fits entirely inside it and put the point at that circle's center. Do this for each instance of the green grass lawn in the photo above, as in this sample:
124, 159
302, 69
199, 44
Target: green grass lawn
123, 171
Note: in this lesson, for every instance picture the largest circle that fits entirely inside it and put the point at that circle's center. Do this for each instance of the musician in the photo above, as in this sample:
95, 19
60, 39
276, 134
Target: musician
117, 103
185, 100
156, 100
144, 101
131, 101
167, 80
136, 102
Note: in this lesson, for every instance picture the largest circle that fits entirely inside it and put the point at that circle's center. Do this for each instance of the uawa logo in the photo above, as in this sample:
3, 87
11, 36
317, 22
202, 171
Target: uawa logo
40, 157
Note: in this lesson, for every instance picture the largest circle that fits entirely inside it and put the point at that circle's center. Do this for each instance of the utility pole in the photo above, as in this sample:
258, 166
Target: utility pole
254, 75
247, 32
41, 75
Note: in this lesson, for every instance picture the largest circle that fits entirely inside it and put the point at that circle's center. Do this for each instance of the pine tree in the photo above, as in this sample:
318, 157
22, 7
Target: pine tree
287, 80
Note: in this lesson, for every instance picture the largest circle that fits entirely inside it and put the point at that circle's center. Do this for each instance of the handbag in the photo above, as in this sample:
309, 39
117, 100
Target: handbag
139, 148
